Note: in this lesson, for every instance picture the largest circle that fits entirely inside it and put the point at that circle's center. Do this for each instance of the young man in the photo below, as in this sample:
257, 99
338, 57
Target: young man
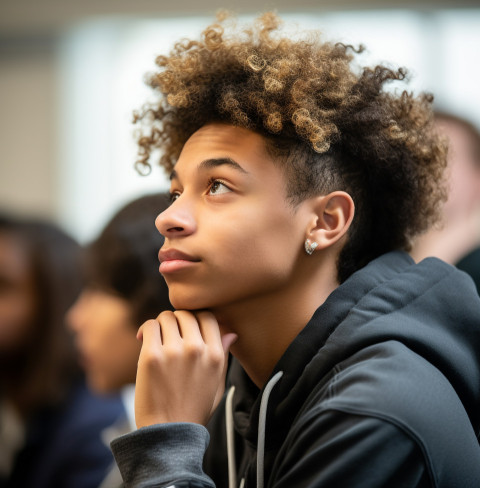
297, 184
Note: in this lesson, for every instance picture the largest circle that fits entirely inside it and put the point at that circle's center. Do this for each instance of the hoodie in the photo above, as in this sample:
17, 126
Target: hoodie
381, 388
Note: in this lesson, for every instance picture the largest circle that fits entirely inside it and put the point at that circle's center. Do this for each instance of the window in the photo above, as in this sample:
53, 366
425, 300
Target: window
103, 67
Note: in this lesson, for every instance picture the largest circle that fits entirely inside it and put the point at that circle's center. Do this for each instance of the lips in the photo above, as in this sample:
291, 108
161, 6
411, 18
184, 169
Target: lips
172, 260
174, 255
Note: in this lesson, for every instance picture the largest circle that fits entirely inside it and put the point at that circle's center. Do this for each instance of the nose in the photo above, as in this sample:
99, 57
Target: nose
177, 220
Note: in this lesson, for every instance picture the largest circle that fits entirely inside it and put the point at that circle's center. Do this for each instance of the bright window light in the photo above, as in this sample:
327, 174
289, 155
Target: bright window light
103, 68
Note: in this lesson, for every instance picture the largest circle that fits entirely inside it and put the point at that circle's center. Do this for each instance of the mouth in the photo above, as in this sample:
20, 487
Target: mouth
172, 260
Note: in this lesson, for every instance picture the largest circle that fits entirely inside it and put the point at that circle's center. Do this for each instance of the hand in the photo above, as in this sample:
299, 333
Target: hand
181, 368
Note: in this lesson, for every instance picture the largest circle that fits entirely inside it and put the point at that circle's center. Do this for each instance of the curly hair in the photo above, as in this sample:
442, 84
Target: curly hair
331, 124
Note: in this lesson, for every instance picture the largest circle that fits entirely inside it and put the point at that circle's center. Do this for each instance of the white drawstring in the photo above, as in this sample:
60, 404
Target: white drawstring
232, 468
262, 420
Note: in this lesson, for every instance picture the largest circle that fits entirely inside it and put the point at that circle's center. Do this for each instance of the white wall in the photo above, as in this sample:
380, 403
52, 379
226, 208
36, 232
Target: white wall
28, 144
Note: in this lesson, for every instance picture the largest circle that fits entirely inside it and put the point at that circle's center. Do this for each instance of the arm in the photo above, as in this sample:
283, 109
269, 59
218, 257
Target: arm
163, 455
180, 379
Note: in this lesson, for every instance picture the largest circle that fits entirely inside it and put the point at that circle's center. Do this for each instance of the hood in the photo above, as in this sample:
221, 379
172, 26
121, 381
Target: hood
431, 307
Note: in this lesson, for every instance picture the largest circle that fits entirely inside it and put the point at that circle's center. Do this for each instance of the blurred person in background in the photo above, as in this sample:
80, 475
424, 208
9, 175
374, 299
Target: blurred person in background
123, 289
50, 423
457, 239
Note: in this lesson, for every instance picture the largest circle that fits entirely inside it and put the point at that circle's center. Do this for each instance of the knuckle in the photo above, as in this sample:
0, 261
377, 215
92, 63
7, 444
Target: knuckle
150, 360
149, 323
164, 315
194, 350
180, 313
217, 356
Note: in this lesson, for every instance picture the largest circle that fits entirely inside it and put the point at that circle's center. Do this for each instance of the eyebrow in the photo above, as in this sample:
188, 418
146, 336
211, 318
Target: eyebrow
214, 163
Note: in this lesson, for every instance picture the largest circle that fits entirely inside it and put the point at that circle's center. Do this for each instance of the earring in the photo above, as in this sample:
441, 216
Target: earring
310, 247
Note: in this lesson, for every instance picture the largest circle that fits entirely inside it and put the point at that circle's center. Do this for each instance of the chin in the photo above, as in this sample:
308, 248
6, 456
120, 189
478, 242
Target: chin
182, 301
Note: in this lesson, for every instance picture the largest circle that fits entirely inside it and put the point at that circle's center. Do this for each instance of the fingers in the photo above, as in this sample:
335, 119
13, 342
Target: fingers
208, 326
193, 328
181, 326
150, 333
171, 327
181, 368
188, 327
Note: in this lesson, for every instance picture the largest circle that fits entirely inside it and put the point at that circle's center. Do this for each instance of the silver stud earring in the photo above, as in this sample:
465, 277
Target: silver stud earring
310, 246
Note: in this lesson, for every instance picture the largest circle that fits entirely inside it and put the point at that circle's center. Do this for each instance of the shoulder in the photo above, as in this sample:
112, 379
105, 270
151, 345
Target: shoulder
84, 409
405, 395
78, 425
66, 442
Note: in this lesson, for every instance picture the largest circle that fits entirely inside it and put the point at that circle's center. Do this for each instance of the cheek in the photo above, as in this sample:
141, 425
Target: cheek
123, 355
270, 237
118, 363
264, 248
248, 252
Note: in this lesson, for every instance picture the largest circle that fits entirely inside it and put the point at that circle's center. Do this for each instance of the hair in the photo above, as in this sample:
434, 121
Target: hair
41, 373
123, 260
331, 124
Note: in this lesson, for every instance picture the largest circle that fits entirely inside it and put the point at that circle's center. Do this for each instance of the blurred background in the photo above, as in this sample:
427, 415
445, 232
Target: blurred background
72, 72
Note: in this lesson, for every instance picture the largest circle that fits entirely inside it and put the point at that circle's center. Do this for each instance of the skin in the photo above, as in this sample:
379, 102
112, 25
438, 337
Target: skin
105, 338
17, 295
236, 268
460, 231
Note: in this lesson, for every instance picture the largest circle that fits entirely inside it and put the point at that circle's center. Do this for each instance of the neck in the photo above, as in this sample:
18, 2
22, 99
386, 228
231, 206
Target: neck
450, 243
268, 324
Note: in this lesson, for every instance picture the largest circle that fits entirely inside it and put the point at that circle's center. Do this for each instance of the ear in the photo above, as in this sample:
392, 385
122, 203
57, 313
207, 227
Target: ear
333, 215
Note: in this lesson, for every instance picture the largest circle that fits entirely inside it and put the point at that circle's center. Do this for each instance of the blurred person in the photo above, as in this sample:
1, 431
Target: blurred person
456, 239
123, 289
50, 423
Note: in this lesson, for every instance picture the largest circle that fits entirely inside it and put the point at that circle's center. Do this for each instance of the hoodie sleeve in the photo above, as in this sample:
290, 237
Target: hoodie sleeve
163, 456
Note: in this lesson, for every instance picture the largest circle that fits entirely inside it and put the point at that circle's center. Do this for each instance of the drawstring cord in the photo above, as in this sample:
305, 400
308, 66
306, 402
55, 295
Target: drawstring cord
262, 420
232, 468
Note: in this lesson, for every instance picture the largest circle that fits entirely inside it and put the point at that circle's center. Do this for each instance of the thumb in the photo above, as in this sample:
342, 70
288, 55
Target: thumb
228, 340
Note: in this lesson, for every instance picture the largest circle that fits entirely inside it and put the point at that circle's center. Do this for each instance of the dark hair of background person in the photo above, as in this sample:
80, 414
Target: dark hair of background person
40, 372
123, 260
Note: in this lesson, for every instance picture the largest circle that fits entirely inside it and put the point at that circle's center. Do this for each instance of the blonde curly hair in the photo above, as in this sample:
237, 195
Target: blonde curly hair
331, 124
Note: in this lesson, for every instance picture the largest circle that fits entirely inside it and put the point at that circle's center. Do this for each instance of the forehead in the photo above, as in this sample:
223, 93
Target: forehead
245, 147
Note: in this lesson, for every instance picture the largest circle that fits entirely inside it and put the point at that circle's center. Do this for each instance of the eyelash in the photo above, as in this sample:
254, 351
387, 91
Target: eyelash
210, 183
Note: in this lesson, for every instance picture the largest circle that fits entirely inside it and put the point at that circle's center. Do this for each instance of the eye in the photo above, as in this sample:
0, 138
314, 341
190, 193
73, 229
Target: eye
173, 196
218, 188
